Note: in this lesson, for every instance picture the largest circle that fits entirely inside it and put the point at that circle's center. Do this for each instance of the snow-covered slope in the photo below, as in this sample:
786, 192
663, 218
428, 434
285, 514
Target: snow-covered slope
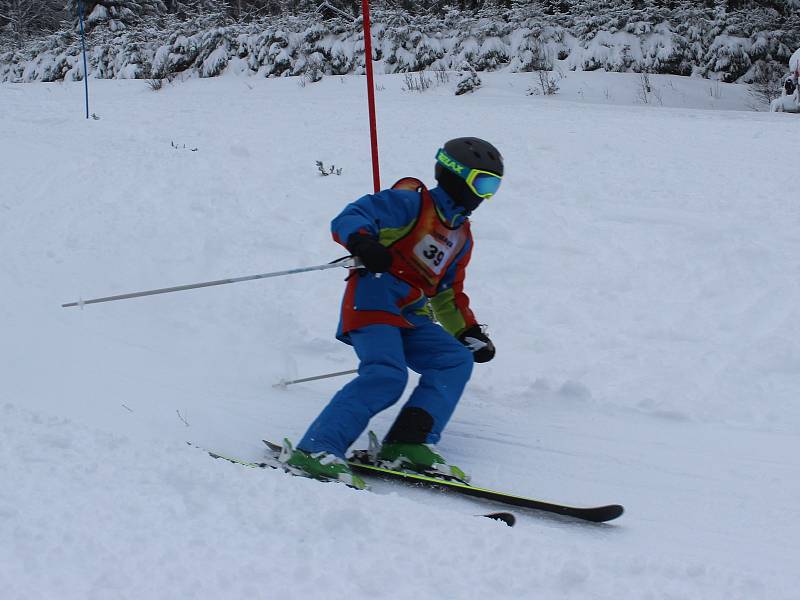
639, 273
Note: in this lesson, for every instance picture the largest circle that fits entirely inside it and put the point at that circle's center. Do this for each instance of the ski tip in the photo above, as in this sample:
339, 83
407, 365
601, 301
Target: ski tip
505, 517
601, 514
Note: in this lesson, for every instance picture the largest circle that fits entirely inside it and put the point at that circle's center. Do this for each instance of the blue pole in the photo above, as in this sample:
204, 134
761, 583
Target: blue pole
85, 68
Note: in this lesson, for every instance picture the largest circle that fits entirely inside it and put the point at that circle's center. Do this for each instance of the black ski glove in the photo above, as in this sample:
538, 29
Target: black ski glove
480, 344
375, 256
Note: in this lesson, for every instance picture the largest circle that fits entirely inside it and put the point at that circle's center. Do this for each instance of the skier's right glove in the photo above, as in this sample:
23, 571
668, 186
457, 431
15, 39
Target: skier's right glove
477, 341
374, 255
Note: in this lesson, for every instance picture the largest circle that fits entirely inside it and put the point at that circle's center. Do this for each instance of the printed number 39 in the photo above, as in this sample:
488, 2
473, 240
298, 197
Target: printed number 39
434, 254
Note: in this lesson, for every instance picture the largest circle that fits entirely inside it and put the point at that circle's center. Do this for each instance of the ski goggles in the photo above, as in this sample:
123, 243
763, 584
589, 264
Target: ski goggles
484, 184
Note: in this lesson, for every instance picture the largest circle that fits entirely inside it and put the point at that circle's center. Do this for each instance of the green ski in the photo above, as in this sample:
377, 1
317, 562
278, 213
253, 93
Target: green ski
595, 514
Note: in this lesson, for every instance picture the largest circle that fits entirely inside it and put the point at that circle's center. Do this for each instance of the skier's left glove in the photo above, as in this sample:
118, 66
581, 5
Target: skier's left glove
477, 341
374, 255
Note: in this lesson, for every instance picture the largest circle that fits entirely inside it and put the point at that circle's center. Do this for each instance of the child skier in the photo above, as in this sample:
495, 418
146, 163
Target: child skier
414, 245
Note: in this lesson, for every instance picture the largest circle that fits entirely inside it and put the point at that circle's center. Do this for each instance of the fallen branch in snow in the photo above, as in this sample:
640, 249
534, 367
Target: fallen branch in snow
177, 147
325, 172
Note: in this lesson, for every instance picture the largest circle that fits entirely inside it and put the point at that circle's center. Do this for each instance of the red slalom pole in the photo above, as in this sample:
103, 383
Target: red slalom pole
373, 129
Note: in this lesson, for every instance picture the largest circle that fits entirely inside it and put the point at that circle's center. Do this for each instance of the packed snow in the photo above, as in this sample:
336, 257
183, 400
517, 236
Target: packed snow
639, 272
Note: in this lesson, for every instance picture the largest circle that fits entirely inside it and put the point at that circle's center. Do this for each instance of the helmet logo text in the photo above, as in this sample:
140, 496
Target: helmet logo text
451, 164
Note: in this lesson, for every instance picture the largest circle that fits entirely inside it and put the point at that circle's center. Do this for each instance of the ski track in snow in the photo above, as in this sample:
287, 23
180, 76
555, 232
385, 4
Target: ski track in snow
108, 516
638, 270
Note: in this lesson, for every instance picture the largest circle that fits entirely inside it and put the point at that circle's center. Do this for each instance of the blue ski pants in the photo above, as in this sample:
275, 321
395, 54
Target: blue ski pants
385, 352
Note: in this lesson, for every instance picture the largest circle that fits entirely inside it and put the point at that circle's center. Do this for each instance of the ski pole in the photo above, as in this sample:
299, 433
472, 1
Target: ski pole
284, 383
348, 262
82, 10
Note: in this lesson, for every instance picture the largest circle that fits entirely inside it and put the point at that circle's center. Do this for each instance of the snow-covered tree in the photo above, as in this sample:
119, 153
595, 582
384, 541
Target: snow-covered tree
468, 81
115, 14
20, 18
734, 40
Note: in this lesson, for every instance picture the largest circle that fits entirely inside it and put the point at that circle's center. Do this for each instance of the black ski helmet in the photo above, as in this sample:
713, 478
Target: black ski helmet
475, 153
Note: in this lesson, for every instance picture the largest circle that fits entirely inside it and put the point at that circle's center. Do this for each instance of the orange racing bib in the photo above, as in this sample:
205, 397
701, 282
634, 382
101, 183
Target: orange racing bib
422, 256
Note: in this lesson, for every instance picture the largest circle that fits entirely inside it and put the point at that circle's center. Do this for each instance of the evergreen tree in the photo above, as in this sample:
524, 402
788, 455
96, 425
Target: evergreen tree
736, 40
21, 18
116, 14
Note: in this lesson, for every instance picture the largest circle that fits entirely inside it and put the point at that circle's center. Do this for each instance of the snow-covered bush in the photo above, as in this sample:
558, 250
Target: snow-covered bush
153, 39
468, 79
536, 50
313, 67
794, 64
730, 56
417, 82
546, 85
767, 84
116, 15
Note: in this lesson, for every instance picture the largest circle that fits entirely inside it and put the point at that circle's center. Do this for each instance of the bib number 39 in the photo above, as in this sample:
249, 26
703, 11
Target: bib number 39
433, 253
